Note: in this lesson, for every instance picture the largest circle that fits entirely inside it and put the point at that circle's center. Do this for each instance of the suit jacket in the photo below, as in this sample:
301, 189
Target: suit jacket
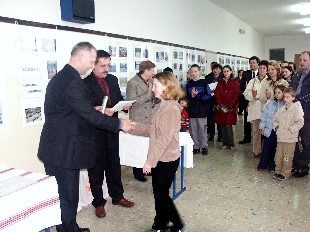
304, 95
105, 138
68, 135
96, 93
139, 91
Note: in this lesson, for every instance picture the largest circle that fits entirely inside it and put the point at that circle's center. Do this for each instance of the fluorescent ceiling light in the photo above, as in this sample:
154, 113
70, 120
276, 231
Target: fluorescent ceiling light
303, 8
307, 30
305, 22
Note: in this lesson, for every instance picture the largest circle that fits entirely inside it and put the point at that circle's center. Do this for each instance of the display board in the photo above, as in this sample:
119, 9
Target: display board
39, 52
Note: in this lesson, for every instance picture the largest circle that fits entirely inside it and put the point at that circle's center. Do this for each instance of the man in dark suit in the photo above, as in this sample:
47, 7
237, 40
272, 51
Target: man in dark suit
67, 142
246, 77
99, 84
301, 82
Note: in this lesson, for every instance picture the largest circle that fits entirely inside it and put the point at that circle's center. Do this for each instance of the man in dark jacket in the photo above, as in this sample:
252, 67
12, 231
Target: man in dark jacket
99, 84
67, 142
301, 82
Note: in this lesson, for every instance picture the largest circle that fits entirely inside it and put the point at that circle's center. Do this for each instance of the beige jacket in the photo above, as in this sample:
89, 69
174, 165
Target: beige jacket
139, 91
288, 122
266, 84
255, 105
163, 130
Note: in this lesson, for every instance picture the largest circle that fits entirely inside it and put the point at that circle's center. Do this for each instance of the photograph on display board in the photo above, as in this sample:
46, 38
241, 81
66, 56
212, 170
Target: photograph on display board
123, 67
227, 61
51, 68
123, 82
28, 44
175, 55
112, 67
49, 45
137, 64
193, 57
112, 50
145, 53
175, 66
138, 52
122, 51
159, 70
181, 55
33, 115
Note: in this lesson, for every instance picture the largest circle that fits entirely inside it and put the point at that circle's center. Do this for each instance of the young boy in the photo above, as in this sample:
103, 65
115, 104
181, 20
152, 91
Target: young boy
184, 115
287, 122
198, 92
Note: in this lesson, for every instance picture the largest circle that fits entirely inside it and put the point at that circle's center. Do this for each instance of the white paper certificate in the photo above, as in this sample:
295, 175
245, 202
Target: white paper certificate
120, 105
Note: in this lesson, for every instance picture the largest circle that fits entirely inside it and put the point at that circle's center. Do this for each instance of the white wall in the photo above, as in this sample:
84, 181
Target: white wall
292, 44
196, 23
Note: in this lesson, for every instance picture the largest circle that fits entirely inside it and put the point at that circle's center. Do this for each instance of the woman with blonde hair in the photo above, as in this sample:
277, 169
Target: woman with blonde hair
268, 85
164, 154
251, 94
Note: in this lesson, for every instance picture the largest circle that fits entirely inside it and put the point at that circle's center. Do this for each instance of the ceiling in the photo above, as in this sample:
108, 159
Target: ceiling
268, 17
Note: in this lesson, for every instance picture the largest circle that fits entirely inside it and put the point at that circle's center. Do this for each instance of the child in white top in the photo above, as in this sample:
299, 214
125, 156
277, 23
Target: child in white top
287, 122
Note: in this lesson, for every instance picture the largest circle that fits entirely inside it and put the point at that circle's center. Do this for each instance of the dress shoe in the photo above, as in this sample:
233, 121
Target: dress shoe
142, 179
196, 151
84, 230
124, 202
100, 212
244, 141
300, 174
204, 151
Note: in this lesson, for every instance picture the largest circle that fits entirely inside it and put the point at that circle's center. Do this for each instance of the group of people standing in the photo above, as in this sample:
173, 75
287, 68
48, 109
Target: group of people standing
276, 109
260, 93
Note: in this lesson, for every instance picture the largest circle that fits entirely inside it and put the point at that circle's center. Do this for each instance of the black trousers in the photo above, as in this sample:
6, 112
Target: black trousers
162, 177
138, 172
108, 163
247, 127
303, 158
68, 190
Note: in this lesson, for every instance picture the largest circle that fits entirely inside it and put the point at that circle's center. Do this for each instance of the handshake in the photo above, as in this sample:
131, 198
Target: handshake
127, 125
224, 108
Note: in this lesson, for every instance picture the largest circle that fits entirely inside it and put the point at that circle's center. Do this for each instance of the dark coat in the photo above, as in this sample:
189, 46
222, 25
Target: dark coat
198, 106
106, 141
228, 95
304, 95
68, 135
96, 93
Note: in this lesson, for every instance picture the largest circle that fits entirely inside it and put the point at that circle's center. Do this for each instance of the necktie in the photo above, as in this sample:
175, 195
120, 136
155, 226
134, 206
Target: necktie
253, 74
105, 88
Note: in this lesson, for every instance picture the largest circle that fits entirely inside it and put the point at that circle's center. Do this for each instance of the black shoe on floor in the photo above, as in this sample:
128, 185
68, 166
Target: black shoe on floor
84, 230
300, 174
142, 179
204, 151
196, 151
244, 141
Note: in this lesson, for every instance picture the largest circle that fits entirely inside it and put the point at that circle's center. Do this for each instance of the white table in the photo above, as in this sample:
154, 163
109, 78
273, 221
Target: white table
28, 201
133, 152
133, 149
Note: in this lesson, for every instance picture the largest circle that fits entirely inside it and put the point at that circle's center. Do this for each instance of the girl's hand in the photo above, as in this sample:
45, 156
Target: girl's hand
262, 132
147, 169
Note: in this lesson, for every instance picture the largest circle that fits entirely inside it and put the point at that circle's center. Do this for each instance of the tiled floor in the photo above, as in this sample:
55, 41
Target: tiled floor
224, 193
